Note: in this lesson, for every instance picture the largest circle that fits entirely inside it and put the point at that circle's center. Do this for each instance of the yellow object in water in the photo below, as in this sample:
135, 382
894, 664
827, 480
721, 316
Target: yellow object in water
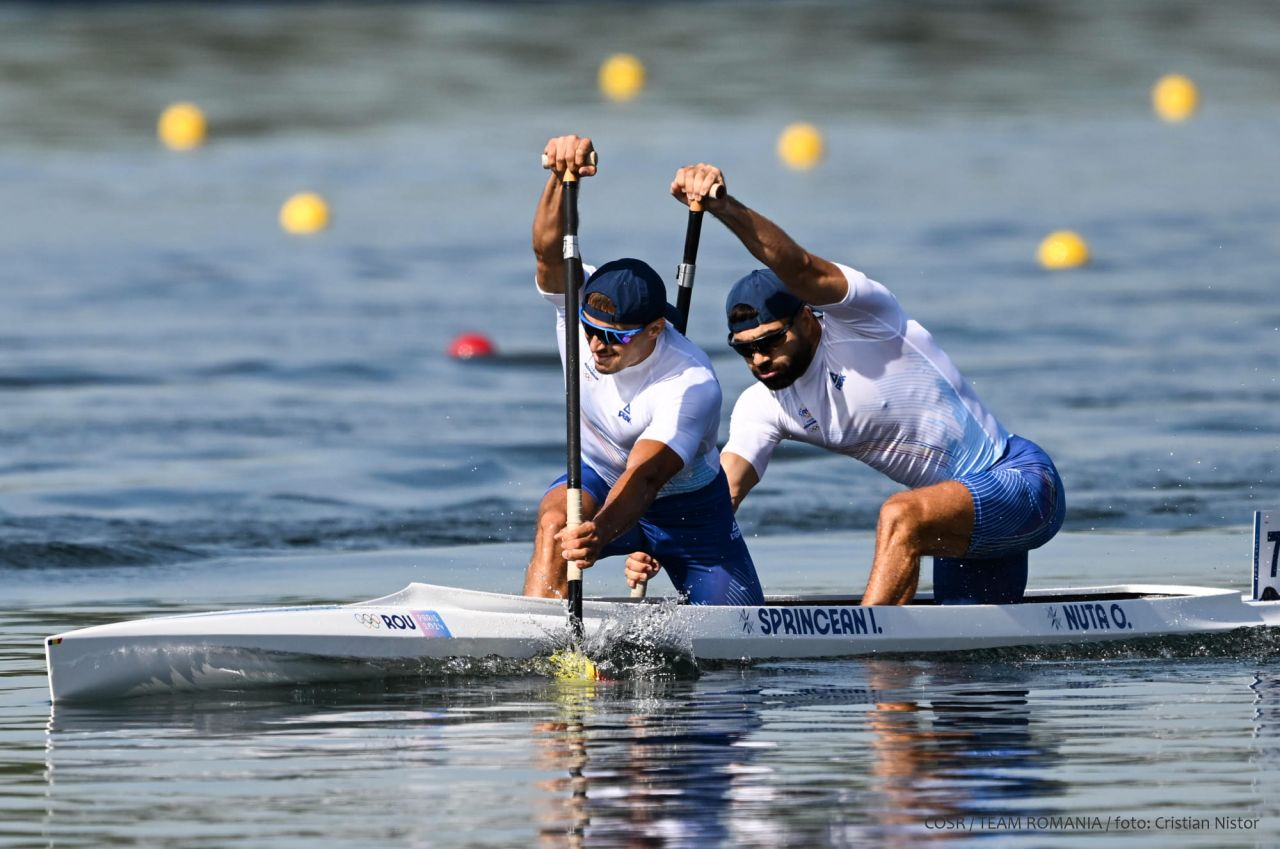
621, 77
800, 146
304, 213
1175, 97
574, 666
1063, 249
182, 126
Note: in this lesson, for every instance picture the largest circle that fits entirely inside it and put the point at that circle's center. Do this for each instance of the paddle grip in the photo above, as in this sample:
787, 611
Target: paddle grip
592, 159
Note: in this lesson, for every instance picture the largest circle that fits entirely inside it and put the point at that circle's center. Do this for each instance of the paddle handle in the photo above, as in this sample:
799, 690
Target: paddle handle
592, 159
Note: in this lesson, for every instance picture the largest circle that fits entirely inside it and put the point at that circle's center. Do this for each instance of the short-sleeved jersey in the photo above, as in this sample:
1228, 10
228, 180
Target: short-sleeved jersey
880, 390
672, 396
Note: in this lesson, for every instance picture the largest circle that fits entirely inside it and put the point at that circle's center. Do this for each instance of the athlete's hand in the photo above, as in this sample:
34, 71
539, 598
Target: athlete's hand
581, 543
565, 153
640, 568
694, 182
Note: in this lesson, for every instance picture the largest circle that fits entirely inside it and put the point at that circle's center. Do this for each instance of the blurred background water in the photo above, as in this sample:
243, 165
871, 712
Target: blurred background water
184, 387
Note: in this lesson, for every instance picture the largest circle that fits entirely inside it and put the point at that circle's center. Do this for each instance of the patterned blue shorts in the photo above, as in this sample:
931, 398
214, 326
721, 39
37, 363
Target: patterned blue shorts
1018, 504
695, 538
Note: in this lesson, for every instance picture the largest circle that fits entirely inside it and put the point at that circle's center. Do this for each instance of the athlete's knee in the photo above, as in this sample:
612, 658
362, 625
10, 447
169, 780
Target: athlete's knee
552, 517
901, 516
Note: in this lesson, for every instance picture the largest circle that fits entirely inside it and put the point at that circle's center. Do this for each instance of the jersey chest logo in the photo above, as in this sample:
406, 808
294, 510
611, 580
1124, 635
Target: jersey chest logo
810, 423
625, 414
837, 379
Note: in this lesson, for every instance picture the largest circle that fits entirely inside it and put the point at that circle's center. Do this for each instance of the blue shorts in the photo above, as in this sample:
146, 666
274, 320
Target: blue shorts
1018, 505
695, 538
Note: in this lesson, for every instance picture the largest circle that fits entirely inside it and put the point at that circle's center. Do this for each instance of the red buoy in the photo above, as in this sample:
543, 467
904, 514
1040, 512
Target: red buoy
469, 345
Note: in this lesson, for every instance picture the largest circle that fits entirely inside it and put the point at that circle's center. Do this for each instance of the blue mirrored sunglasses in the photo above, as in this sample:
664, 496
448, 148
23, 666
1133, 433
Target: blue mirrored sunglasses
607, 335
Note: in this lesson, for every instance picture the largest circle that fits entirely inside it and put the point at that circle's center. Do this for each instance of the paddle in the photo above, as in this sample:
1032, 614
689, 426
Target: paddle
684, 272
572, 393
572, 664
684, 298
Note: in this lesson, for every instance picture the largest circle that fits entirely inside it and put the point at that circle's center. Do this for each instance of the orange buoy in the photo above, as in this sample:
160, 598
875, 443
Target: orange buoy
467, 346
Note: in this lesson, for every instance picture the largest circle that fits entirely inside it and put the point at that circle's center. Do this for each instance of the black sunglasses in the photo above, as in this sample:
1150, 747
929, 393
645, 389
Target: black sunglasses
761, 344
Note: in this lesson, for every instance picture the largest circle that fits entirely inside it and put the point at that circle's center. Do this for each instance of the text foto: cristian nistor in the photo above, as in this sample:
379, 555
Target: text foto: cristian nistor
1016, 822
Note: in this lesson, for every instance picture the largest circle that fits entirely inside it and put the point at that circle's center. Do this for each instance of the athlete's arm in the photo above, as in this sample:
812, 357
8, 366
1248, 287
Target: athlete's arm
810, 278
649, 466
641, 566
741, 474
548, 229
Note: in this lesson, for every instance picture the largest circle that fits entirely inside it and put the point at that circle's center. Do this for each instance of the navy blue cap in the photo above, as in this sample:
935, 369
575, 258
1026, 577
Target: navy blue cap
764, 292
635, 289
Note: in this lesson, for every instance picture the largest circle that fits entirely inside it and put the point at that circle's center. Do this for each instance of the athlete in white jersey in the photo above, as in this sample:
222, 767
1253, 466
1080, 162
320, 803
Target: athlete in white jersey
650, 408
840, 365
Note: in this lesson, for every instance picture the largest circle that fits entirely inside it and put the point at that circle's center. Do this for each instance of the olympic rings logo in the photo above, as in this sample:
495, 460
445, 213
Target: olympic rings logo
372, 621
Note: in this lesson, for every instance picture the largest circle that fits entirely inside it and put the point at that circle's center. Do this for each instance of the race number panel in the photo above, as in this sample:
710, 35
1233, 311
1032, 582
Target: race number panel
1266, 556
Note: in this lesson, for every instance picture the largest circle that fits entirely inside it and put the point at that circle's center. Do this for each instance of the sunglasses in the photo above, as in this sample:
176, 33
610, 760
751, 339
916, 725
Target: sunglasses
761, 344
607, 335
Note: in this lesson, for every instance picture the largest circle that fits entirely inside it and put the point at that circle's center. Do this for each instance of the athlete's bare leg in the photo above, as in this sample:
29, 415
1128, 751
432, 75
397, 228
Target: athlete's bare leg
936, 520
547, 576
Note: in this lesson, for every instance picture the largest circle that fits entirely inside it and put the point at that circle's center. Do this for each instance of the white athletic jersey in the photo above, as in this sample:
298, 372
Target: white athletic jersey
672, 396
880, 390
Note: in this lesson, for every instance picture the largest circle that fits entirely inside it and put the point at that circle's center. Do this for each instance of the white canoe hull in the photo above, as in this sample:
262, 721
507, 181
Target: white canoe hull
397, 634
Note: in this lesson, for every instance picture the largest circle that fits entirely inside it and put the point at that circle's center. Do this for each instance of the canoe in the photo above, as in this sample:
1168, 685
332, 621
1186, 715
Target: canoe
399, 633
404, 633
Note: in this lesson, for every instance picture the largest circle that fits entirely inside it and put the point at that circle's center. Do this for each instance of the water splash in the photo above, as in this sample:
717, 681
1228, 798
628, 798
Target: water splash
643, 641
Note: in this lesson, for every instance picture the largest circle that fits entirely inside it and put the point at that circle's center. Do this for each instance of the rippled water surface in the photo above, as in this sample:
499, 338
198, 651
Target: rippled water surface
198, 411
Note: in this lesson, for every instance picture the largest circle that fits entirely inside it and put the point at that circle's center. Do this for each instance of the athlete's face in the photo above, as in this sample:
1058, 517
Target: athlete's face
778, 352
612, 355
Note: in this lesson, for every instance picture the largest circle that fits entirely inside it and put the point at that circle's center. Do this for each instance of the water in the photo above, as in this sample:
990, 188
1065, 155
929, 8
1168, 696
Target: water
197, 411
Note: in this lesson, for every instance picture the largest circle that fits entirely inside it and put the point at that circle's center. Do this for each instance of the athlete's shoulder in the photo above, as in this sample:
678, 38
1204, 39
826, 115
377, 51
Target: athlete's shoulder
868, 308
757, 401
681, 358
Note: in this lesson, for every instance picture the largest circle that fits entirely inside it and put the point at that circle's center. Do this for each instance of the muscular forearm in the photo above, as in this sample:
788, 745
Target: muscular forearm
630, 497
548, 237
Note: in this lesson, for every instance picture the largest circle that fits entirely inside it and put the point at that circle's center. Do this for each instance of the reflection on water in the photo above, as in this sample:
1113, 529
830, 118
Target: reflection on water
965, 751
868, 752
658, 762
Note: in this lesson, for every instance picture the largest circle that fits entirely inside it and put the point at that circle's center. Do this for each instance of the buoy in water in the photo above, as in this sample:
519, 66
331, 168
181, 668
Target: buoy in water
1063, 249
304, 213
621, 77
800, 146
1175, 98
471, 346
181, 126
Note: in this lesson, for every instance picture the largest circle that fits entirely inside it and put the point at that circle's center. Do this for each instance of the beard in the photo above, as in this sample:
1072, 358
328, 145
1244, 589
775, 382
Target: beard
790, 372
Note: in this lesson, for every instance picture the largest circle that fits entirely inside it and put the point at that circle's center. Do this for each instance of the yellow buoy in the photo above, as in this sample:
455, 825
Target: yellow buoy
181, 126
1063, 249
1175, 97
800, 146
621, 77
304, 213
